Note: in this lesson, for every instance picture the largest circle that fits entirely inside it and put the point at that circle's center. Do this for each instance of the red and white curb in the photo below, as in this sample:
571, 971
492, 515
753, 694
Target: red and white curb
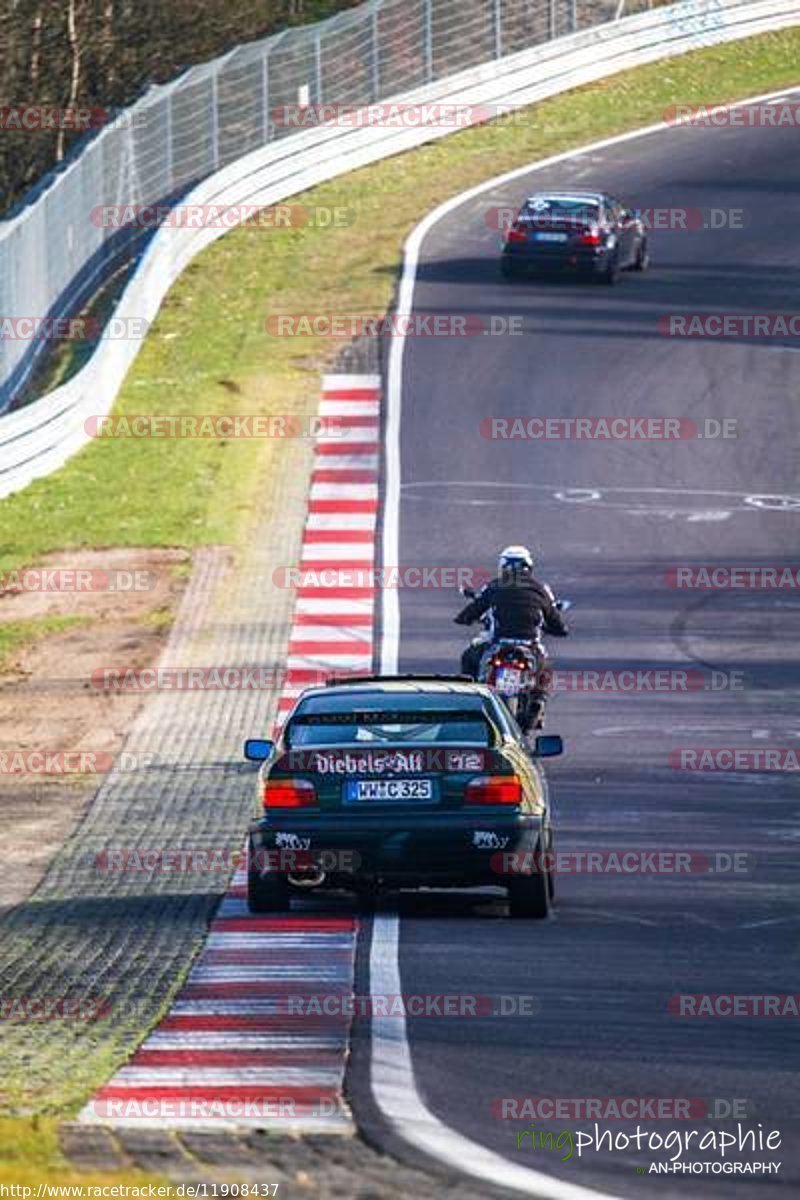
233, 1051
334, 618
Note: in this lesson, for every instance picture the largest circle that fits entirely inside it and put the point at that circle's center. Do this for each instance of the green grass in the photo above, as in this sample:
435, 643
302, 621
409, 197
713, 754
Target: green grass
30, 1154
208, 352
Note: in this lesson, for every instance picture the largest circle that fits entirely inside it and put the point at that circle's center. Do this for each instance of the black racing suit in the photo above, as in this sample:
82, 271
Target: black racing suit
522, 608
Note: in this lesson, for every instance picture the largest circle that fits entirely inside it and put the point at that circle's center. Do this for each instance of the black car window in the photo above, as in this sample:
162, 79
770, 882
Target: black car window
368, 729
575, 209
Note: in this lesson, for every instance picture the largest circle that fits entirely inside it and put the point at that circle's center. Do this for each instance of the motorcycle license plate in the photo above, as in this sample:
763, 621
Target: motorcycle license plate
508, 681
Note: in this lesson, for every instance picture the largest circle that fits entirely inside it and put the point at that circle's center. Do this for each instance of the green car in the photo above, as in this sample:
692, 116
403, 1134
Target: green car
380, 783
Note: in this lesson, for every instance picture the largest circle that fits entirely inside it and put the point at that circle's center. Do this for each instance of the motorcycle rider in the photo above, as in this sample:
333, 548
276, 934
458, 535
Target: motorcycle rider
521, 607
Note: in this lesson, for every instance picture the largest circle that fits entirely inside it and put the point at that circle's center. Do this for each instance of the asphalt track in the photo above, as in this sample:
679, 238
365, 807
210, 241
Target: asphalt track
609, 519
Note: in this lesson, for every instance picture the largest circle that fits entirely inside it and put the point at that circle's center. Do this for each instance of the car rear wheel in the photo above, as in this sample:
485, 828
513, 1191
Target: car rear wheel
266, 893
610, 275
529, 895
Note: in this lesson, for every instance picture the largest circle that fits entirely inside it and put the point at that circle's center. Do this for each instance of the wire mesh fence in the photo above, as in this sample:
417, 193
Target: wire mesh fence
60, 248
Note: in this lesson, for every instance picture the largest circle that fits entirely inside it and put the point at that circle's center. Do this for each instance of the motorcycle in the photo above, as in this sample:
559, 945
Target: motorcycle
511, 668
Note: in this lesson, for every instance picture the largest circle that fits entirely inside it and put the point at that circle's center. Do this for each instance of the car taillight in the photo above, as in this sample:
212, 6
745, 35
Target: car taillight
289, 793
494, 789
592, 237
517, 235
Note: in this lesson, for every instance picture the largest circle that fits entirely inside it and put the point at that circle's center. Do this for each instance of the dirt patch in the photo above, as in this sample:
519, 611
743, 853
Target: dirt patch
53, 721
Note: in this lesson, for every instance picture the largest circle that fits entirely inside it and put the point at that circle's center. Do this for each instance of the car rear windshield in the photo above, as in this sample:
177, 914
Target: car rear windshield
574, 210
370, 727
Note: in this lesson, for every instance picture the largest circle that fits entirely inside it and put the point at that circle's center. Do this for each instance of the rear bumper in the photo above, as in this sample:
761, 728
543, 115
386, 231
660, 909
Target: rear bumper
588, 261
421, 849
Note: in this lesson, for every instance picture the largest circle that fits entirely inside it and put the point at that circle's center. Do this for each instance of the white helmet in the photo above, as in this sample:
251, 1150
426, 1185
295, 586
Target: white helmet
514, 558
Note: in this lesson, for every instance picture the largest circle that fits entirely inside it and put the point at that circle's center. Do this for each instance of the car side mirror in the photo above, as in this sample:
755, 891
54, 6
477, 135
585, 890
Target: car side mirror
258, 749
549, 745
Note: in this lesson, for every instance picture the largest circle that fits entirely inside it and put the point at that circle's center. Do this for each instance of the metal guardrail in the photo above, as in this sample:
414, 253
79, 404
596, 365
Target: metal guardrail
39, 438
57, 251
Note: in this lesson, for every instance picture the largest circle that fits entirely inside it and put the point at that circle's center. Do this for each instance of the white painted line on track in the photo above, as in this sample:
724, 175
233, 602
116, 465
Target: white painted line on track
395, 1092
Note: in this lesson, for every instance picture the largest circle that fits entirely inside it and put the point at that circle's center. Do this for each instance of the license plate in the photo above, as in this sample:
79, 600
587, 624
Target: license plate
388, 789
551, 237
508, 680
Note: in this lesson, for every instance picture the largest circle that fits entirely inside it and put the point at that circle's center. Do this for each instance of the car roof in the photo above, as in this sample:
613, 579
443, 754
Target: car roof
555, 194
446, 693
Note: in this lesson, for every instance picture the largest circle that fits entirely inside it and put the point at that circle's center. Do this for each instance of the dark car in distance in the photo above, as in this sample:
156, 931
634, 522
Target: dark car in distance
589, 234
390, 782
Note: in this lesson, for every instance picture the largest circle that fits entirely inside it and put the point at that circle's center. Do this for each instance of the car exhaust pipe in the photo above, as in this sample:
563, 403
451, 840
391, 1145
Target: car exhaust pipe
307, 877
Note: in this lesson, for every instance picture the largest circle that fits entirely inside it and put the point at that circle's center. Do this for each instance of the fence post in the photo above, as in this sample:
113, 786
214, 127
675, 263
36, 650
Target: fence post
318, 67
215, 117
574, 15
265, 88
169, 142
553, 18
429, 40
498, 29
376, 62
